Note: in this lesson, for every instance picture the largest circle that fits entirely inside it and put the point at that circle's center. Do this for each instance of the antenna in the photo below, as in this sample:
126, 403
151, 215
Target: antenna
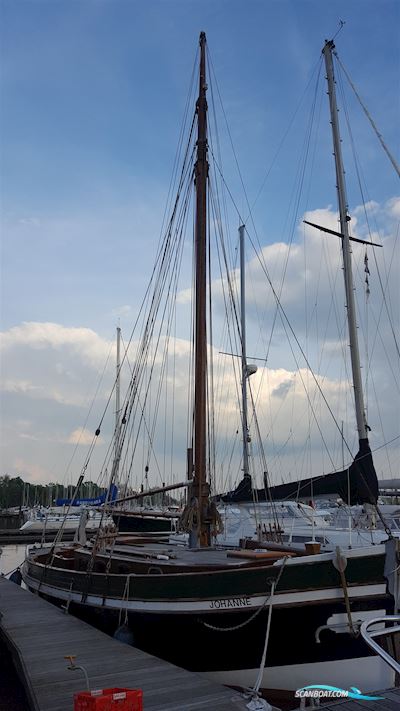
341, 25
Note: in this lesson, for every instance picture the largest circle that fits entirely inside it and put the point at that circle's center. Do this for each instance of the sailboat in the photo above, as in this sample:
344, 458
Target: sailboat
264, 619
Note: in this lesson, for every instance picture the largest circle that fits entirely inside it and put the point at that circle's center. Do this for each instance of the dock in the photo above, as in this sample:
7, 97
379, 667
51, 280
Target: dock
11, 536
39, 635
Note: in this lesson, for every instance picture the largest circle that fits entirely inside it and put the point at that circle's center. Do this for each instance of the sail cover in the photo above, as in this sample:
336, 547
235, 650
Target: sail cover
356, 485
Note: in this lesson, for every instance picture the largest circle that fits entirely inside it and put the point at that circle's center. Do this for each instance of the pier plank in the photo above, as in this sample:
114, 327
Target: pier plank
39, 635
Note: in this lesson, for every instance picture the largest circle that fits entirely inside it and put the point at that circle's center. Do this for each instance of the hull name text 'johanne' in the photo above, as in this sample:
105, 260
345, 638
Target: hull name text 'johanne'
231, 602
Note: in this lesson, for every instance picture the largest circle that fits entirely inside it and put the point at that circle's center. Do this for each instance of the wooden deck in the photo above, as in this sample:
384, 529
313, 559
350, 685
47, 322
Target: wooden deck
39, 635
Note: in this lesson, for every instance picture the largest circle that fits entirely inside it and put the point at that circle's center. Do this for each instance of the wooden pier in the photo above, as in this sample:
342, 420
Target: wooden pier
39, 636
11, 536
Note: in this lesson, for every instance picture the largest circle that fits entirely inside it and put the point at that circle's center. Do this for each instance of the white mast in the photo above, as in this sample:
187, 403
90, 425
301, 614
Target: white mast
117, 403
344, 220
246, 370
244, 360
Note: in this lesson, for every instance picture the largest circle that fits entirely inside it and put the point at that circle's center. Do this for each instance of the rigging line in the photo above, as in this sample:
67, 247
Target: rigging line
386, 289
381, 423
172, 428
236, 336
302, 170
383, 291
375, 449
266, 478
100, 380
163, 255
229, 280
172, 290
146, 426
300, 189
311, 122
192, 85
301, 180
298, 199
184, 170
341, 25
285, 319
250, 208
389, 360
218, 142
153, 361
136, 322
174, 269
210, 381
190, 391
258, 610
149, 326
369, 117
159, 262
181, 232
229, 332
227, 300
279, 306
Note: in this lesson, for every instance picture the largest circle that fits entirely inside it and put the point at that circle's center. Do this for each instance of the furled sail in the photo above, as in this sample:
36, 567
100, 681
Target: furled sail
356, 485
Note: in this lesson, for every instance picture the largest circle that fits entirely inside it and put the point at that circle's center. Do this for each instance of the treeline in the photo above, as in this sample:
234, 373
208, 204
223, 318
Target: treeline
15, 492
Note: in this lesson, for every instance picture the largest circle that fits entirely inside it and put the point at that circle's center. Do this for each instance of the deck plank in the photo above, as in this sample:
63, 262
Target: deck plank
39, 635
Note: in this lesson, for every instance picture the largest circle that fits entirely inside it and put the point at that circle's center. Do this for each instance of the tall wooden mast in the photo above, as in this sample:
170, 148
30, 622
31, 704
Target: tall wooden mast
200, 489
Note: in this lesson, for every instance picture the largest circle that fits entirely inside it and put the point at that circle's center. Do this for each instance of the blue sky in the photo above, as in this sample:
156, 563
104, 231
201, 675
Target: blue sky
92, 94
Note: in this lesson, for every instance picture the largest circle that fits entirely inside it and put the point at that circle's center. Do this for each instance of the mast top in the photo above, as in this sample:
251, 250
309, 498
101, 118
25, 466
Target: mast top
329, 44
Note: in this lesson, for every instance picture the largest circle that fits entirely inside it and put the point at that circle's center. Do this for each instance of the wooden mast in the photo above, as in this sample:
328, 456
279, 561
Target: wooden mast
201, 489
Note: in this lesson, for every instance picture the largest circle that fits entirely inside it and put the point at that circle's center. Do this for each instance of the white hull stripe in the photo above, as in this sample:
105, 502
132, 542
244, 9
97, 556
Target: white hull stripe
366, 673
188, 606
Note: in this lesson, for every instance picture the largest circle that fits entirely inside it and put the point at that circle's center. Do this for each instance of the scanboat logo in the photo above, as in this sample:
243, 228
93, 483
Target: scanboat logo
322, 691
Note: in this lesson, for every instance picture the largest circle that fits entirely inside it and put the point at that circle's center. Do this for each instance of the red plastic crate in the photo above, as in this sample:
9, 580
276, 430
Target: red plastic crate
109, 700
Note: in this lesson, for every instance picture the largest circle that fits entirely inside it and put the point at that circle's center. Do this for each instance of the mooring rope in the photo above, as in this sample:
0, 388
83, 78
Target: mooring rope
274, 585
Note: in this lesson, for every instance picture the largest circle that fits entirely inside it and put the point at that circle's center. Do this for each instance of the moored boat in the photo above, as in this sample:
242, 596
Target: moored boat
177, 601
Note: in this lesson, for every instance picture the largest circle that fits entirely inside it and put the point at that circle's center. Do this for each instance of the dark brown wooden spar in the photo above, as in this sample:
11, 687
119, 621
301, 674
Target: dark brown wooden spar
200, 488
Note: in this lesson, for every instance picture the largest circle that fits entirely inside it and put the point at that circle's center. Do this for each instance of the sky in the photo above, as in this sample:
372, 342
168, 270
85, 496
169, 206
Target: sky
92, 96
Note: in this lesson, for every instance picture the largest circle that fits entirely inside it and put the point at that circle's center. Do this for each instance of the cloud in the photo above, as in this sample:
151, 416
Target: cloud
33, 472
81, 436
122, 310
184, 296
50, 372
39, 336
369, 207
29, 221
48, 361
283, 389
394, 207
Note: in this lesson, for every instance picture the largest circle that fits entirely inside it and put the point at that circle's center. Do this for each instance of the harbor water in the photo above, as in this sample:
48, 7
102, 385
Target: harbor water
11, 556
